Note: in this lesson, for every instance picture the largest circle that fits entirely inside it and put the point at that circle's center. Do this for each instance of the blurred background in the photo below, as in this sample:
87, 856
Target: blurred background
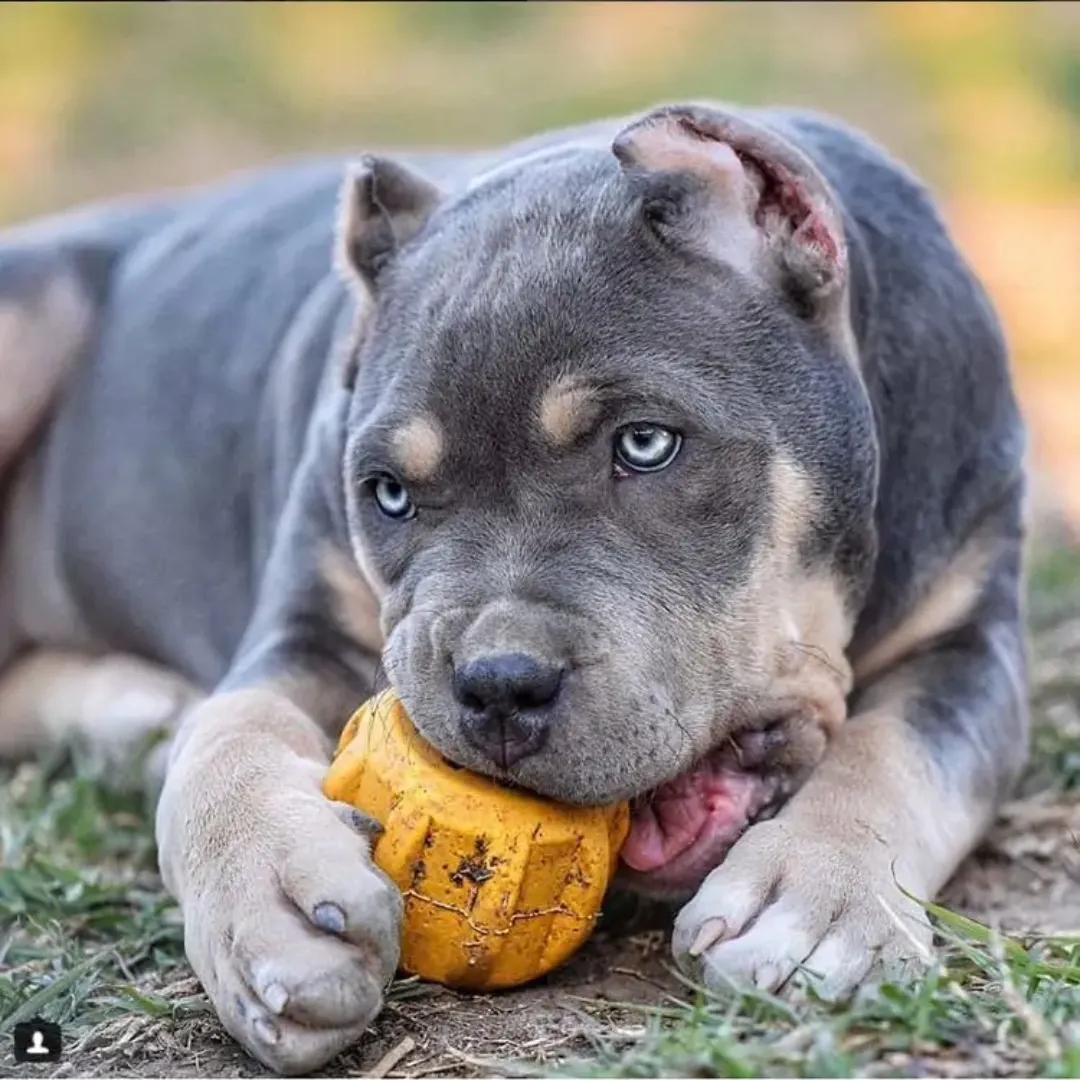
982, 98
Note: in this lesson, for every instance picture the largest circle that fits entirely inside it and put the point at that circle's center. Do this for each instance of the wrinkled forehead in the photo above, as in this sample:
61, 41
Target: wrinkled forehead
539, 305
531, 268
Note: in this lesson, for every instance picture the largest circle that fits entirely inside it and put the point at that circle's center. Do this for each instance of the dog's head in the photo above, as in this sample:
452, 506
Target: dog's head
611, 467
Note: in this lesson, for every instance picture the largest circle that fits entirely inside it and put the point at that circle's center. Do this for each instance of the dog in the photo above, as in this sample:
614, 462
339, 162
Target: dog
670, 458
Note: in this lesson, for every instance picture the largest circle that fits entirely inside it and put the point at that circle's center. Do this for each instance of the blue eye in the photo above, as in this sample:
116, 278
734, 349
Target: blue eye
391, 497
646, 448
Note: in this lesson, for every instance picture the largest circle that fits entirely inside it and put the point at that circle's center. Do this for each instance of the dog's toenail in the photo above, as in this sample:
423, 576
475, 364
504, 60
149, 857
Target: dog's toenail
276, 997
366, 824
712, 930
329, 917
266, 1031
363, 823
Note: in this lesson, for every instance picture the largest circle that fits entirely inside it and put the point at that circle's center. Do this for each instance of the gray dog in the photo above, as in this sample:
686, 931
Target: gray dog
672, 457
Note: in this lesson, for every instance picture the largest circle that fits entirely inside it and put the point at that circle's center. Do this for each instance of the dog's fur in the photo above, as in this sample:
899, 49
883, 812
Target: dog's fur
200, 400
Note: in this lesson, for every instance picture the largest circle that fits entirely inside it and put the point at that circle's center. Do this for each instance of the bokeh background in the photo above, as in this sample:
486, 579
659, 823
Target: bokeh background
982, 98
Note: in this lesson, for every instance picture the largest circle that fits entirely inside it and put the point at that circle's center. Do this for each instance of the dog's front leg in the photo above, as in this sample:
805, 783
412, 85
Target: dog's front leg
906, 790
292, 930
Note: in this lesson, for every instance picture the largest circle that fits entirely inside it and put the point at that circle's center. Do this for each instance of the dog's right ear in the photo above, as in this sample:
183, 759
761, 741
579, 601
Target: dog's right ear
382, 206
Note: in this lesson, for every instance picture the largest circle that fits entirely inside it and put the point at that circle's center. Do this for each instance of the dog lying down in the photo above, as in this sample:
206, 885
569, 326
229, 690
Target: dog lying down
658, 458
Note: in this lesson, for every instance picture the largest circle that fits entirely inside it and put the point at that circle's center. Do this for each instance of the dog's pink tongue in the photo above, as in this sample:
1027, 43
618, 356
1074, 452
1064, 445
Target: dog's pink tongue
656, 836
702, 802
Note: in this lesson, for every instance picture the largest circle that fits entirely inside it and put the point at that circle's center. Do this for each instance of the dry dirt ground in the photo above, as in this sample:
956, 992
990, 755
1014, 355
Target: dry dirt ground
97, 947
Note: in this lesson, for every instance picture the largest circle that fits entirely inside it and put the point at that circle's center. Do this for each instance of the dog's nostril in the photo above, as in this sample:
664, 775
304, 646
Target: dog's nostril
470, 700
506, 701
506, 683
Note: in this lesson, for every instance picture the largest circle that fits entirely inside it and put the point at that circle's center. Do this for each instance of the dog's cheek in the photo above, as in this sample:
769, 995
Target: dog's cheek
640, 718
410, 660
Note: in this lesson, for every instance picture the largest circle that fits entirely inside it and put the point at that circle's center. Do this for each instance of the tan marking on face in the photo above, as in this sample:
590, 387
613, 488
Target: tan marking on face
876, 785
817, 670
944, 606
418, 447
354, 602
788, 630
794, 502
567, 410
815, 608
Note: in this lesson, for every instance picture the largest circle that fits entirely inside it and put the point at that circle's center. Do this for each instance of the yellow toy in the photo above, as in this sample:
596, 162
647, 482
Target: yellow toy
500, 885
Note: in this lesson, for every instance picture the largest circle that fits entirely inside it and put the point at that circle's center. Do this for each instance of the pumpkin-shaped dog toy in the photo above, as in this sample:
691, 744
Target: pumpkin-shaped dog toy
500, 885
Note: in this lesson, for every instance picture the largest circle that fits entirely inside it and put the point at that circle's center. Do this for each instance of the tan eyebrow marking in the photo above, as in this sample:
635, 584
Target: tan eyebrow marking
418, 446
567, 409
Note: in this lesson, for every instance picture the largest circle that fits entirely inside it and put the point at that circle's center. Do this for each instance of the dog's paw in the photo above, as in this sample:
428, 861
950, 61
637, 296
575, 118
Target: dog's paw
789, 909
295, 933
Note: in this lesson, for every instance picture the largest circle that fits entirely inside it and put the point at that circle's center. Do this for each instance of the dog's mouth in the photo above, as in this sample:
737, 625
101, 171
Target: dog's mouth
683, 829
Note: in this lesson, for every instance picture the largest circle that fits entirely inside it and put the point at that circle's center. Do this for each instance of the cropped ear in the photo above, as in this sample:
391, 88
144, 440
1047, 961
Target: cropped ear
740, 193
382, 206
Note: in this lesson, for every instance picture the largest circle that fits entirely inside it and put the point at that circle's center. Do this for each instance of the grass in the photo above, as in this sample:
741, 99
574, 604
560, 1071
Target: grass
993, 1006
88, 938
81, 905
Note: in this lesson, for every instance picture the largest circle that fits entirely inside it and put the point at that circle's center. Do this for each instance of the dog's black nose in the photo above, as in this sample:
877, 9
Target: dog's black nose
506, 703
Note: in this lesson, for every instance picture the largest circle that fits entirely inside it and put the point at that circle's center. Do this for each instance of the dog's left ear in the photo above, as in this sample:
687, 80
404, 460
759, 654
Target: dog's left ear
382, 206
724, 187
